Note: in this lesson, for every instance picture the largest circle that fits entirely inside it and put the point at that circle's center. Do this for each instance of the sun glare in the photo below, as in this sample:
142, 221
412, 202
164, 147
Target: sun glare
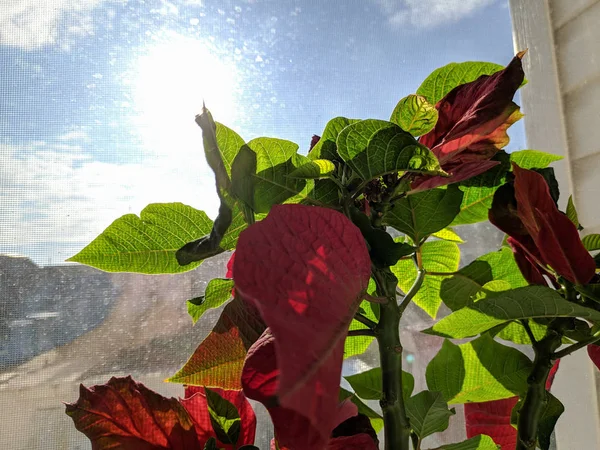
170, 81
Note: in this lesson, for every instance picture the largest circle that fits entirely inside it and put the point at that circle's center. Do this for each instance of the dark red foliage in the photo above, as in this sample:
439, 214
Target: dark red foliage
472, 123
127, 415
306, 270
196, 405
541, 235
594, 353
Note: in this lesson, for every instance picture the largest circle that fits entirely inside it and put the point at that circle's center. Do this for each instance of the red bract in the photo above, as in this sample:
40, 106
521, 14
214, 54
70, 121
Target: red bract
305, 268
292, 429
493, 418
594, 353
541, 235
472, 124
196, 405
127, 415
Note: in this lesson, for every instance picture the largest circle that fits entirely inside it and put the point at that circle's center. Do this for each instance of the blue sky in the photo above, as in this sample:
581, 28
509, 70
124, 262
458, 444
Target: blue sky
98, 96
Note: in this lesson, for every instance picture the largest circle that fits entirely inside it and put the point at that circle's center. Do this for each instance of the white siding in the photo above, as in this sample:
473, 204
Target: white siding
562, 102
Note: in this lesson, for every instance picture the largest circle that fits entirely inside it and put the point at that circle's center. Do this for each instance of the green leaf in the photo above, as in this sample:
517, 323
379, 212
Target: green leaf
384, 251
552, 411
276, 159
374, 417
229, 144
326, 147
218, 291
443, 80
521, 303
428, 413
212, 151
457, 291
422, 214
373, 148
591, 291
448, 234
357, 345
479, 442
211, 444
368, 385
478, 371
243, 169
210, 245
533, 159
591, 242
318, 168
479, 192
224, 418
572, 213
322, 193
437, 256
415, 115
148, 243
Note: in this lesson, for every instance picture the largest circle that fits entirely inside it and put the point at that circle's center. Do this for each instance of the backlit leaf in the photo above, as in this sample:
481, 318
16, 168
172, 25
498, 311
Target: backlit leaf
148, 243
374, 417
478, 371
318, 168
533, 159
218, 291
325, 148
521, 303
448, 234
458, 290
443, 80
437, 256
415, 115
480, 442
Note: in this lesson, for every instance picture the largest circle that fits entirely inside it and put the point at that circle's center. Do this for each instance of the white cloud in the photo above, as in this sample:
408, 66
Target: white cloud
31, 24
429, 13
55, 197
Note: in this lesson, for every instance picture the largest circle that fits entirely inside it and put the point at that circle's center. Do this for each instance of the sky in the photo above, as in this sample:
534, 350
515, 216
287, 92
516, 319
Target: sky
98, 97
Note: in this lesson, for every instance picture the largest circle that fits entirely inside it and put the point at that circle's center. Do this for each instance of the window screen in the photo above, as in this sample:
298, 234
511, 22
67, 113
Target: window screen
97, 109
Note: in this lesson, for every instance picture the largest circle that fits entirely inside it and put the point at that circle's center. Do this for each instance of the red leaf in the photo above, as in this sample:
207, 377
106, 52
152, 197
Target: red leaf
360, 441
127, 415
492, 418
594, 353
305, 268
554, 234
527, 258
219, 359
229, 273
196, 405
472, 123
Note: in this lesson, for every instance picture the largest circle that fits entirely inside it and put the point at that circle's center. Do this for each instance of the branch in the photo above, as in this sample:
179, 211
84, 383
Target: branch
532, 338
442, 274
413, 290
361, 333
572, 348
365, 321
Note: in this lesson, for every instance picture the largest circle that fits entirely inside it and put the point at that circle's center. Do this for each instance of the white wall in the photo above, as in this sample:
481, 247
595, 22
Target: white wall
562, 107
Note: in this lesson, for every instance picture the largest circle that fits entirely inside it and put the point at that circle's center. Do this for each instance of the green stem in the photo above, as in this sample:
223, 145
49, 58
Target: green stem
572, 348
365, 321
536, 397
396, 423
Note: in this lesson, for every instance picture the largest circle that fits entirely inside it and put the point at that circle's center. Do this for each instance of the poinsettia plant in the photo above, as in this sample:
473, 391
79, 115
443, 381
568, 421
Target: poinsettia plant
330, 249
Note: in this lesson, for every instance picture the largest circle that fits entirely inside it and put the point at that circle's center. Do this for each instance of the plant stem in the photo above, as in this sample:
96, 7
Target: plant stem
396, 423
361, 333
365, 321
536, 397
571, 348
